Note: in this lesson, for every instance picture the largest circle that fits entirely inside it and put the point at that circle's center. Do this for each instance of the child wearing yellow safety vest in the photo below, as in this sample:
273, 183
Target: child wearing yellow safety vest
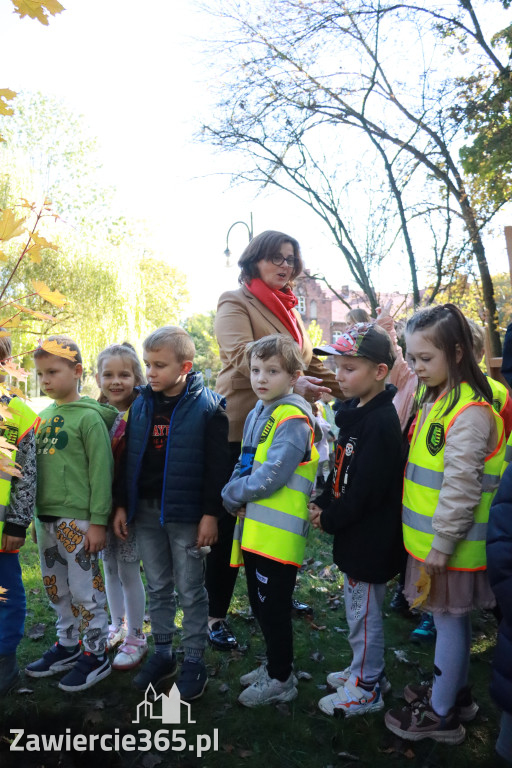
450, 480
269, 490
17, 499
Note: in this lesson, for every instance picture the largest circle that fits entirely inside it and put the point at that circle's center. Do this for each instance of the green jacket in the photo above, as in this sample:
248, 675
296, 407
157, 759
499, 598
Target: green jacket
74, 461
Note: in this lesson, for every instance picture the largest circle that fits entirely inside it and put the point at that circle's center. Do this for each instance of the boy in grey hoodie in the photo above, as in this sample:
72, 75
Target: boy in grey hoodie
269, 491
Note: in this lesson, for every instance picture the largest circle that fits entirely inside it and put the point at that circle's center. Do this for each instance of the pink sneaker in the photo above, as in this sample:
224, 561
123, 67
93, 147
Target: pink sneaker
130, 653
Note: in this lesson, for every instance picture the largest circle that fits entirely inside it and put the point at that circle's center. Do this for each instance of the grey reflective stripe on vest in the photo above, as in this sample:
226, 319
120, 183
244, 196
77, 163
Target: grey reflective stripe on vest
430, 478
296, 482
237, 533
2, 515
423, 523
508, 453
277, 519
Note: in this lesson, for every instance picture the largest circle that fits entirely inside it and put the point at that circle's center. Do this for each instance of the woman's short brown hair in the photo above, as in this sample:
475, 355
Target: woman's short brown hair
264, 246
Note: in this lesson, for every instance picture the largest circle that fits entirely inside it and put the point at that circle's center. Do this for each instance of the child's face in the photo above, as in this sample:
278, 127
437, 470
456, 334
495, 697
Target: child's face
429, 362
164, 373
359, 377
269, 379
116, 381
58, 379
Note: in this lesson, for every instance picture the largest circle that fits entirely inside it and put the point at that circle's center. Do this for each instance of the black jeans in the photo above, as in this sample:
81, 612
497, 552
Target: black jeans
270, 585
220, 578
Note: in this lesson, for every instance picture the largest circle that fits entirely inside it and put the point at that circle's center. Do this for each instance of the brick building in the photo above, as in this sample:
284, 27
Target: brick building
317, 302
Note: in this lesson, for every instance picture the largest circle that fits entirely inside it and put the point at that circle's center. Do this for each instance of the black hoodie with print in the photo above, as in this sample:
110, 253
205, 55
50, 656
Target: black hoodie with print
363, 497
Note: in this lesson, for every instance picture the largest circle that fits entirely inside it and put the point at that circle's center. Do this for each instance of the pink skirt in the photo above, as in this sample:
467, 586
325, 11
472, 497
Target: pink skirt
457, 592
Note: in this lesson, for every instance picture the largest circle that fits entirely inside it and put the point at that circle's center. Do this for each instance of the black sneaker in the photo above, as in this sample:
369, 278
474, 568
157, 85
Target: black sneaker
157, 670
192, 680
9, 673
53, 661
88, 670
398, 602
301, 609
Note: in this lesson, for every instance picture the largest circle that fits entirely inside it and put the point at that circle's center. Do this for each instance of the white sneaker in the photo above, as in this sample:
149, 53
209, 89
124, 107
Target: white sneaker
116, 635
251, 677
266, 690
130, 653
338, 680
351, 700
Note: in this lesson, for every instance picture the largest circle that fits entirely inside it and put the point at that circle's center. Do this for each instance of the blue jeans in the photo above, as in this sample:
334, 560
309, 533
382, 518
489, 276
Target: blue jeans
167, 566
12, 609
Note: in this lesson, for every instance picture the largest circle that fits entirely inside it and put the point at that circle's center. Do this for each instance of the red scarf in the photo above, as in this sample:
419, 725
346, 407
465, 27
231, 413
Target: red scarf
280, 303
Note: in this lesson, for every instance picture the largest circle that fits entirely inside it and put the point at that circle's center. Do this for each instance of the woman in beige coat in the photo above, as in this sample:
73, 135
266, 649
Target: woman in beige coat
263, 305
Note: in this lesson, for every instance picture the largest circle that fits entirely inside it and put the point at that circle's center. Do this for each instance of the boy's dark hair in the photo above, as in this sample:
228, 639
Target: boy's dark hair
5, 345
173, 337
283, 347
264, 246
447, 329
64, 341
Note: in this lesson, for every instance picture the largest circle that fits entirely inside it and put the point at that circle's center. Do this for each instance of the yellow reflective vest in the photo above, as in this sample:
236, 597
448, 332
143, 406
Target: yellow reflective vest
423, 481
277, 526
13, 429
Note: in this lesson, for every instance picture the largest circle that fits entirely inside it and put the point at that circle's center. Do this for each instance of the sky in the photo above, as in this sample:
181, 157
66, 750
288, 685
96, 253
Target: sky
138, 74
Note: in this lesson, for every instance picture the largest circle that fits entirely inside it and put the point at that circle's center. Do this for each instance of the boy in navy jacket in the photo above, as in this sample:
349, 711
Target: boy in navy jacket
174, 467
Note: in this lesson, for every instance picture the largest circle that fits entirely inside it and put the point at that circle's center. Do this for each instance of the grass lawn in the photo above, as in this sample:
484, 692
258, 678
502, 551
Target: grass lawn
286, 736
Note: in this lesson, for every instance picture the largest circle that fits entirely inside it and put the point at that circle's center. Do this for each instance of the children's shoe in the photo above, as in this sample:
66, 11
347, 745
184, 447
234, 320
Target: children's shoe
53, 661
338, 680
465, 705
116, 635
301, 609
398, 602
221, 637
419, 721
351, 700
130, 653
88, 670
9, 673
267, 690
251, 677
425, 632
192, 680
157, 670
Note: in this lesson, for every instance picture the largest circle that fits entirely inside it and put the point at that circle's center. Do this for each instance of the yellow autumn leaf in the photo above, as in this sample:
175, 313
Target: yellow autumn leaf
56, 348
423, 587
12, 369
53, 297
34, 254
43, 242
10, 322
5, 447
7, 466
33, 312
3, 334
3, 256
5, 412
6, 95
37, 9
10, 226
16, 391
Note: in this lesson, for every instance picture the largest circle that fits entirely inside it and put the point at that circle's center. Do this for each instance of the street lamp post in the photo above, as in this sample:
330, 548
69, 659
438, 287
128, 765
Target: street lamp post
249, 227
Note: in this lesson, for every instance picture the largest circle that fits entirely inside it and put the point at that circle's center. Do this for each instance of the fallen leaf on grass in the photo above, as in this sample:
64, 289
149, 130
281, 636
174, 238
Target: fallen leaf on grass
349, 756
224, 688
36, 631
397, 750
25, 691
317, 656
301, 675
34, 591
326, 573
340, 629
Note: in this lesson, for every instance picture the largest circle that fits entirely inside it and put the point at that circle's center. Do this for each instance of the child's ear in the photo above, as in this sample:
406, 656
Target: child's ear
186, 367
458, 353
382, 372
79, 369
295, 378
97, 377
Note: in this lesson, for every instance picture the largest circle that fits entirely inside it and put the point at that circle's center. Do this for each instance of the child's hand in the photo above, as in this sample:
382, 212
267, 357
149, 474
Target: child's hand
314, 515
436, 562
11, 543
95, 538
241, 513
207, 531
119, 523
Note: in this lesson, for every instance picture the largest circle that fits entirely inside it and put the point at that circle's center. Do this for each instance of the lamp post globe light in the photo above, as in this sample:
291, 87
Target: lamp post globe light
250, 230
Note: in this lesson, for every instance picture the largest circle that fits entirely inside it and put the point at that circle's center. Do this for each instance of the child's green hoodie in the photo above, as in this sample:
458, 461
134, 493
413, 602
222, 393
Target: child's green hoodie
74, 461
